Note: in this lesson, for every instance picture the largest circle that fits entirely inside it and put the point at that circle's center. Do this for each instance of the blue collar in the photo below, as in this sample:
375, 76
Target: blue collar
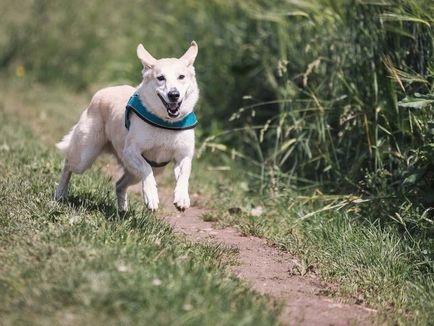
134, 104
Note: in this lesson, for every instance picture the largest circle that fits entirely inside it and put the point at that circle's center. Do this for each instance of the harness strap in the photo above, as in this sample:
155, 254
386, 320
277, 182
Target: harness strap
155, 164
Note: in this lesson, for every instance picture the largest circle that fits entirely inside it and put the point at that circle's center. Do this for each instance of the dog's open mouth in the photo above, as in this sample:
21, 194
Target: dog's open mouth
171, 107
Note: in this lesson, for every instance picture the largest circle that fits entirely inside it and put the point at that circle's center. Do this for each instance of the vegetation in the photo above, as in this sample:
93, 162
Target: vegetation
330, 105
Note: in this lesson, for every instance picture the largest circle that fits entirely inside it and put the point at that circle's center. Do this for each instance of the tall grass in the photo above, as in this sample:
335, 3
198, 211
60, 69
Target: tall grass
351, 104
351, 84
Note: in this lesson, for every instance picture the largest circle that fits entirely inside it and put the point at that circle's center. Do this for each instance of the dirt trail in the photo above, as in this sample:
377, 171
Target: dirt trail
267, 269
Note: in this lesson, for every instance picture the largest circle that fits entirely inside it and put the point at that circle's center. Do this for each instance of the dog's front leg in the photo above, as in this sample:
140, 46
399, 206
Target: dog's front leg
182, 174
136, 164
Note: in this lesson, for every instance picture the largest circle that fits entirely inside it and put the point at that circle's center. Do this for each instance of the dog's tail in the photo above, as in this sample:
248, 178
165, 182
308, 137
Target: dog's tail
64, 144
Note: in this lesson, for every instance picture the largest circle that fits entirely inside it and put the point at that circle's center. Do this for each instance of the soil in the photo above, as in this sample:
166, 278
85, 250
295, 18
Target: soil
267, 269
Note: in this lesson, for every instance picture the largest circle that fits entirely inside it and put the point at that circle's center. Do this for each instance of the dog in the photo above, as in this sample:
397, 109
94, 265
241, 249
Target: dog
145, 128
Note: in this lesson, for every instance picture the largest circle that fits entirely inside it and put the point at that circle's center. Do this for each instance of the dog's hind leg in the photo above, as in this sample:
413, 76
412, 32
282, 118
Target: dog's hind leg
81, 146
62, 188
122, 184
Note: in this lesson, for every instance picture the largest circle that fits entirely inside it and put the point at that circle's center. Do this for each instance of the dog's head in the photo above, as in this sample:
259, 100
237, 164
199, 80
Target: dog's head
169, 87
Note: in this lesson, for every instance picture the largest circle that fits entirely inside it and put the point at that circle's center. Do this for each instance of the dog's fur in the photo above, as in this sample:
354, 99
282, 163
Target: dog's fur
101, 127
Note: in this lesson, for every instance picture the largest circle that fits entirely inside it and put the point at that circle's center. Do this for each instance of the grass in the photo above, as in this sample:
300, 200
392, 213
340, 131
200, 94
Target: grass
365, 261
76, 262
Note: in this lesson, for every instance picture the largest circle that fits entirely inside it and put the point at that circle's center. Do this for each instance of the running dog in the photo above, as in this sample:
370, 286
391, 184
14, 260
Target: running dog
145, 128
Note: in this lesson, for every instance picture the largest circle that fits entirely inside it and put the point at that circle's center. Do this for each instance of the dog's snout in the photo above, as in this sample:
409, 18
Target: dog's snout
173, 95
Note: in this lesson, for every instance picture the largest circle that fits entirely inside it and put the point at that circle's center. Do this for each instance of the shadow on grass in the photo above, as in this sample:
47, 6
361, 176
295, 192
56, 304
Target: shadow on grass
92, 203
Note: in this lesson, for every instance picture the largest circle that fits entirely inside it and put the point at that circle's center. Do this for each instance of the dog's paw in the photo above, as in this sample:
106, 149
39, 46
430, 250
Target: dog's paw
151, 198
122, 201
182, 201
60, 195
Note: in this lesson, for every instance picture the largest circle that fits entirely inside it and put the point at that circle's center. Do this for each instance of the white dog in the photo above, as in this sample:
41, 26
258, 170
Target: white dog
144, 127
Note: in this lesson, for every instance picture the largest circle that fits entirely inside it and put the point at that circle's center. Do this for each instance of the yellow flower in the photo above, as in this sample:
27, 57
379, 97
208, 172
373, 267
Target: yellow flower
20, 71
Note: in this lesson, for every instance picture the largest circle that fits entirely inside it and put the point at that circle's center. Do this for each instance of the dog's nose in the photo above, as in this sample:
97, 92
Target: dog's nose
173, 95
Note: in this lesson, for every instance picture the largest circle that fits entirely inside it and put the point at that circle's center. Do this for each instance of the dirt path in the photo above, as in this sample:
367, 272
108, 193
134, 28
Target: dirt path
267, 269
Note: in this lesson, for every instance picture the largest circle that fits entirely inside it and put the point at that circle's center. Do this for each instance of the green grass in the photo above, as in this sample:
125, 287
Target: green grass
77, 263
365, 261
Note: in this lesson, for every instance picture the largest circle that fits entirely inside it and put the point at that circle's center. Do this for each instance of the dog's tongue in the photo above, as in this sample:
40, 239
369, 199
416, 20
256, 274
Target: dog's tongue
173, 106
173, 109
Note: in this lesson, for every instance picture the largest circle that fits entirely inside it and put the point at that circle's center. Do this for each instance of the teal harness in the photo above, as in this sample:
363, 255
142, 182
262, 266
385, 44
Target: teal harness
136, 105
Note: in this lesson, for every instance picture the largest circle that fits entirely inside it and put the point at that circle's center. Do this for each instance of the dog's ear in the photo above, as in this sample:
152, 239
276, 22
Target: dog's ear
190, 55
145, 57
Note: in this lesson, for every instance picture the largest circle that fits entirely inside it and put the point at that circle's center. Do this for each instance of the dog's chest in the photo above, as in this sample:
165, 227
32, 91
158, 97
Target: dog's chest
161, 145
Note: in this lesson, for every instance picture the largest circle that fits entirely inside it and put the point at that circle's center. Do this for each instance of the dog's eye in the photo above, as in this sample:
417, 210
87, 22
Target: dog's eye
161, 78
181, 77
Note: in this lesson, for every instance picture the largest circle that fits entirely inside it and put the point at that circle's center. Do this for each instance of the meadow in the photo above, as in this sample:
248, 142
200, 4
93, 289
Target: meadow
319, 112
